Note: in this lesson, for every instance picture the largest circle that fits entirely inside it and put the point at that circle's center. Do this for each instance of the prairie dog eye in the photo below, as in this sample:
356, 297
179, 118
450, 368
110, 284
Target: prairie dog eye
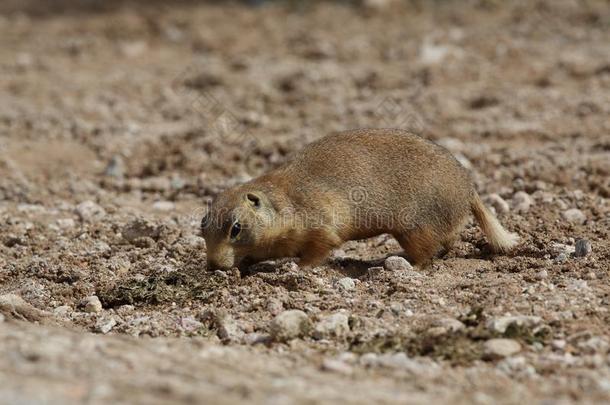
235, 230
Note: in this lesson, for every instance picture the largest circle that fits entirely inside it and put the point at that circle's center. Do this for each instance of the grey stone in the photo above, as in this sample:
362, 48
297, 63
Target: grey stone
500, 325
334, 325
105, 325
521, 202
500, 348
397, 263
89, 211
498, 203
346, 284
582, 248
574, 216
289, 325
337, 366
92, 304
140, 228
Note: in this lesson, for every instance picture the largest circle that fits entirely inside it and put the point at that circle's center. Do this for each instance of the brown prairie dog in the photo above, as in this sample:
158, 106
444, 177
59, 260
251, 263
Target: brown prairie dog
345, 186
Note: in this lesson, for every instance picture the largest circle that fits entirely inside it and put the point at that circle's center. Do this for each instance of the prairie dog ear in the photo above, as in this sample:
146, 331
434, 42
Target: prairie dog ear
254, 199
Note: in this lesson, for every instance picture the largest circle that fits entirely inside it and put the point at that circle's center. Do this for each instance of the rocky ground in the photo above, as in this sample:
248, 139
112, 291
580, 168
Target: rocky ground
120, 121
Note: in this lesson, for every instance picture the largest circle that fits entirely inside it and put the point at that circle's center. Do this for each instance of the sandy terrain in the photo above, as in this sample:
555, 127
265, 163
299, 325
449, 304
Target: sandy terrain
120, 121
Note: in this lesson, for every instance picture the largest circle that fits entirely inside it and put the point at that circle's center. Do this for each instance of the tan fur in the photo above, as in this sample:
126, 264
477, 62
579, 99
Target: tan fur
350, 185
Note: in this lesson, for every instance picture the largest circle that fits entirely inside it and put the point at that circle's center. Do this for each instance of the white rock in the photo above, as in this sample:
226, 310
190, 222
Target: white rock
89, 211
500, 325
397, 263
521, 202
449, 324
498, 203
289, 325
346, 284
228, 329
582, 248
274, 306
164, 206
500, 348
334, 325
92, 304
337, 366
558, 344
65, 223
574, 216
105, 325
62, 311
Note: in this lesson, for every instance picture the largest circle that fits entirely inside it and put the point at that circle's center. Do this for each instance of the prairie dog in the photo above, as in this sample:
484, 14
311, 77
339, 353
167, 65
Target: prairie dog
349, 185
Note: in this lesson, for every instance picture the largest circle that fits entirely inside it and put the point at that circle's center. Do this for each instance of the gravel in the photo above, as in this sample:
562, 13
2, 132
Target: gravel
89, 211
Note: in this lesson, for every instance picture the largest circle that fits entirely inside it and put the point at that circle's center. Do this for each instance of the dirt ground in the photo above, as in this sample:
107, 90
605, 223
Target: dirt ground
120, 121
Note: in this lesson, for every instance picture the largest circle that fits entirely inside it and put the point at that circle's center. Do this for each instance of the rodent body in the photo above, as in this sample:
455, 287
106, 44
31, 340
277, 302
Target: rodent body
345, 186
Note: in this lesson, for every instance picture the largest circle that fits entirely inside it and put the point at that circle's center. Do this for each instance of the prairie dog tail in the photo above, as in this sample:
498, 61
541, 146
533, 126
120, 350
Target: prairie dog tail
500, 239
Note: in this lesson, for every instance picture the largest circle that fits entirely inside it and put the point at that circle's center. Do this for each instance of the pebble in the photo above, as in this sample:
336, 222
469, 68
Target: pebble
62, 311
500, 325
289, 325
190, 324
164, 206
498, 203
337, 366
449, 325
228, 329
521, 202
65, 223
541, 275
140, 228
397, 263
92, 304
561, 257
105, 325
346, 284
558, 344
274, 306
89, 211
334, 325
115, 167
500, 348
13, 306
574, 216
582, 248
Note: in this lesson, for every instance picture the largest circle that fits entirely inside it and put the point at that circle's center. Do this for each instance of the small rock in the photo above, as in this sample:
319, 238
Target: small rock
397, 263
561, 257
190, 324
449, 324
274, 306
105, 325
62, 311
256, 338
334, 325
500, 348
65, 223
558, 344
140, 228
14, 307
521, 202
337, 366
115, 168
155, 184
229, 330
89, 211
541, 275
164, 206
289, 325
582, 248
92, 304
574, 216
346, 284
500, 325
499, 204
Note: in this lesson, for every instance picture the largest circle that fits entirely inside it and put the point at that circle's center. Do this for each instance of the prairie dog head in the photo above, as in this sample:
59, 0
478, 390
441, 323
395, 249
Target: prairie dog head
235, 227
